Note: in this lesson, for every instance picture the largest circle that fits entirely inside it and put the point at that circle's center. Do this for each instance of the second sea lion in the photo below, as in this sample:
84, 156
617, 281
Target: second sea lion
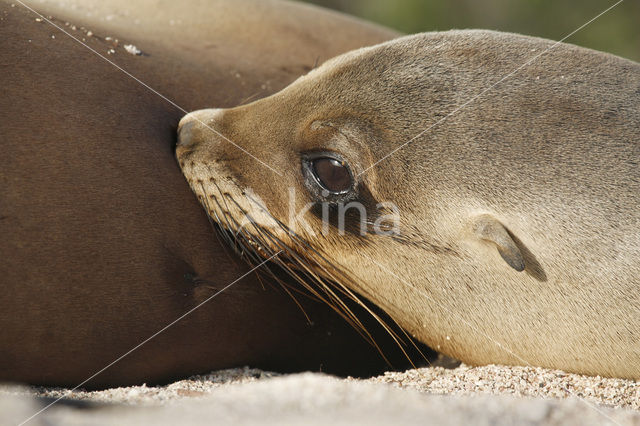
102, 243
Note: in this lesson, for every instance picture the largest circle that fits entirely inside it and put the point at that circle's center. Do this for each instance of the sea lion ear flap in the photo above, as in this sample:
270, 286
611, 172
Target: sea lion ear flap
490, 229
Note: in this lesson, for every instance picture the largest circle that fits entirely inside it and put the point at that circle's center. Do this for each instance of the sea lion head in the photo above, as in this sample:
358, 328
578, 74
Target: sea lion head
393, 172
294, 171
327, 172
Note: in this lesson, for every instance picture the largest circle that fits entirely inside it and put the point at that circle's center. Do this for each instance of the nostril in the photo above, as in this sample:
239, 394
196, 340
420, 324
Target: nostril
194, 127
184, 132
188, 118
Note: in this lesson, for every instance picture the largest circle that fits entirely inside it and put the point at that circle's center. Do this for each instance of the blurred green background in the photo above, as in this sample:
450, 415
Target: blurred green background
617, 31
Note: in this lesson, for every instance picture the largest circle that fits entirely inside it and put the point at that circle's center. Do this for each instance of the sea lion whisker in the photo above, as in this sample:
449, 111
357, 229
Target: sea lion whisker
397, 339
262, 233
344, 289
334, 301
248, 239
209, 210
302, 262
297, 277
245, 246
314, 292
226, 209
219, 231
337, 303
229, 233
289, 289
288, 230
264, 245
222, 227
334, 282
248, 250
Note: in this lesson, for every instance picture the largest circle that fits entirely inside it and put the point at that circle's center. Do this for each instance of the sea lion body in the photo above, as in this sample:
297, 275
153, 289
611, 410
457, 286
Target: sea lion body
513, 164
102, 242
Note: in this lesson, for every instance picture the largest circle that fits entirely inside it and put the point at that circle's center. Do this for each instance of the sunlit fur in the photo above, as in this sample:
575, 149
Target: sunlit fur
550, 154
287, 250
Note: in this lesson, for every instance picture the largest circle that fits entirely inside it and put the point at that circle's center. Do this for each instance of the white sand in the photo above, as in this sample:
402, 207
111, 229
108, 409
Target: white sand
518, 381
481, 395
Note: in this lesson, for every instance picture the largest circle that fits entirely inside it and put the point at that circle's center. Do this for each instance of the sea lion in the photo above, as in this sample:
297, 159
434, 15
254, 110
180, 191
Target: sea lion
509, 165
102, 242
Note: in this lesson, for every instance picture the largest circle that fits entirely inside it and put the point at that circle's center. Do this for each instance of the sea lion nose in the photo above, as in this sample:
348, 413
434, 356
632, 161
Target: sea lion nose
196, 125
185, 134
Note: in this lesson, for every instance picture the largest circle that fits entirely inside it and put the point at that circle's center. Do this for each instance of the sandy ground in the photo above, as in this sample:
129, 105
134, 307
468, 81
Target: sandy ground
518, 381
482, 395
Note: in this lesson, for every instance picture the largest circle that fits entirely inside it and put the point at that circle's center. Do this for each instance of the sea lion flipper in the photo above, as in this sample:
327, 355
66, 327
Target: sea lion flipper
490, 229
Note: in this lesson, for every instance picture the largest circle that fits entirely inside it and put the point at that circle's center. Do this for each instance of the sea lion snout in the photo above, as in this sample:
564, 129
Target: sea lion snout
197, 126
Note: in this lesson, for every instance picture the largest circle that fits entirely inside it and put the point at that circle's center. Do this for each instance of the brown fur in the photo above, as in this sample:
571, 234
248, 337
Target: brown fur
519, 239
102, 242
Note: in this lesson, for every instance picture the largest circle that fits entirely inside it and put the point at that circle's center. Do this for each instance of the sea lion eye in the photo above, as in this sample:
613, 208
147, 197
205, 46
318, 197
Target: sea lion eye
332, 174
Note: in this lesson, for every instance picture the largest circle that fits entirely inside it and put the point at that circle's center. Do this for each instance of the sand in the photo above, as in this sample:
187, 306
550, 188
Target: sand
518, 381
480, 395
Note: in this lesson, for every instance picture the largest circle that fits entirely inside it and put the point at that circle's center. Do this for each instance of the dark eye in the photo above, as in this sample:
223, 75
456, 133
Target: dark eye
332, 174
